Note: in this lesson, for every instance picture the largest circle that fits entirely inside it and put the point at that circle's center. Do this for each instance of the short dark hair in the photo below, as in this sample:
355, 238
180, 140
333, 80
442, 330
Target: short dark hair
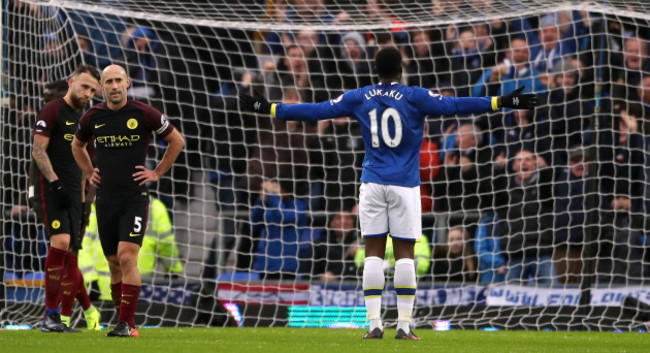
289, 47
383, 37
87, 69
388, 63
54, 90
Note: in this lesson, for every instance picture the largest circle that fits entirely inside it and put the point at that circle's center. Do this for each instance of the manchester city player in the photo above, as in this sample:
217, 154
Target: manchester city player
392, 118
122, 129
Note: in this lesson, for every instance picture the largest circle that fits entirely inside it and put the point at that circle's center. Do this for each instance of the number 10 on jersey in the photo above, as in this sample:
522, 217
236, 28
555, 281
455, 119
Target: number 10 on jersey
389, 113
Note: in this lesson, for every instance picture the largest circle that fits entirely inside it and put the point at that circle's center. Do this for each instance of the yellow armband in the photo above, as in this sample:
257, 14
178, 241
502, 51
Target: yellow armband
274, 105
495, 106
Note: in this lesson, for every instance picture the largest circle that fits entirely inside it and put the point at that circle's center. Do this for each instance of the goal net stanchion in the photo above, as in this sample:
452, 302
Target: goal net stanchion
190, 59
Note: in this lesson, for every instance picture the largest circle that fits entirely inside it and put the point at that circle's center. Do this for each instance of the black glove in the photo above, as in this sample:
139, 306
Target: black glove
255, 104
60, 195
516, 100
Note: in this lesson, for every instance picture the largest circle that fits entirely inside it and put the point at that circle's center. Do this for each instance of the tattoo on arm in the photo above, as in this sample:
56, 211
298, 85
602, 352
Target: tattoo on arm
43, 160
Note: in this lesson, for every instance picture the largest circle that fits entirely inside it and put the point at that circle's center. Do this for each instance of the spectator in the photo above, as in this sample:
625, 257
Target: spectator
421, 68
491, 262
525, 203
159, 250
513, 72
568, 110
59, 56
290, 73
342, 149
604, 42
629, 77
640, 110
621, 251
457, 185
353, 66
320, 63
28, 245
279, 218
145, 64
381, 12
86, 47
102, 44
492, 39
560, 34
281, 149
446, 9
19, 54
303, 12
621, 153
570, 216
334, 255
54, 90
550, 48
528, 134
25, 244
454, 261
429, 165
466, 62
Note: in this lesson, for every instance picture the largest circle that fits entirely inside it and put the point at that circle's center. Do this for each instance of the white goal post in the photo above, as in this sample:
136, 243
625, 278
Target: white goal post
531, 221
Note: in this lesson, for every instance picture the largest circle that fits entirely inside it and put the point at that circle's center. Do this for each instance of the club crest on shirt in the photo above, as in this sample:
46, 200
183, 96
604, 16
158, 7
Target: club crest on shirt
56, 224
132, 123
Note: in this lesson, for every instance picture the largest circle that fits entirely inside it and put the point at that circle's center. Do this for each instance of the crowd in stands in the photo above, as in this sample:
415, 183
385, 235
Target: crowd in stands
511, 186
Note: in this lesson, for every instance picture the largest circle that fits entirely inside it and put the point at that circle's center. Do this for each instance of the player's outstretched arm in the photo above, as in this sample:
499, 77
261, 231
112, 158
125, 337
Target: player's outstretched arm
517, 100
435, 104
341, 106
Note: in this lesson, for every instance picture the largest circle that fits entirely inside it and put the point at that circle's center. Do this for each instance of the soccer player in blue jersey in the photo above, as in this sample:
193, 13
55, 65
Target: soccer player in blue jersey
392, 117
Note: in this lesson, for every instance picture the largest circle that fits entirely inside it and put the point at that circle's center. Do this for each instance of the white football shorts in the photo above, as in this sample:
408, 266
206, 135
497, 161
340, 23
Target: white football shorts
385, 209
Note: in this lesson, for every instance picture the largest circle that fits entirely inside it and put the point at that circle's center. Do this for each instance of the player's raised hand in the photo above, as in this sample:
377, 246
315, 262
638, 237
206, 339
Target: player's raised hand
517, 100
144, 175
255, 104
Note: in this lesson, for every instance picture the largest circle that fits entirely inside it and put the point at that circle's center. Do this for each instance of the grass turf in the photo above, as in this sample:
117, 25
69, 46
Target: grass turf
287, 340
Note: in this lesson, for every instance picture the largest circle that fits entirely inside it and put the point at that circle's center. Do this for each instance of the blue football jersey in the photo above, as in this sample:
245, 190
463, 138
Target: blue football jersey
391, 116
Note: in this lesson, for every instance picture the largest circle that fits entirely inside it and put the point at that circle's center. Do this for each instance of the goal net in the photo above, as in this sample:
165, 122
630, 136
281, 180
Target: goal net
531, 220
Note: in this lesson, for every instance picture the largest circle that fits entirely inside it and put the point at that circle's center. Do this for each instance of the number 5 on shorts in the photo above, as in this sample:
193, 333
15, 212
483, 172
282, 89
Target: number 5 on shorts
137, 226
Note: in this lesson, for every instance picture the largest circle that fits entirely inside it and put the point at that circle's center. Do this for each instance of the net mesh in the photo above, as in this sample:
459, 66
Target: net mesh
550, 237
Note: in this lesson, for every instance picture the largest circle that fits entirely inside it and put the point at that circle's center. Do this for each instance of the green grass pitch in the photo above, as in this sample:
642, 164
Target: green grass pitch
288, 340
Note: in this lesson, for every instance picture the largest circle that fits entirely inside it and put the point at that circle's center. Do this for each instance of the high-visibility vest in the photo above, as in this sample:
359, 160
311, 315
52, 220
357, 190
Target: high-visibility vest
422, 253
